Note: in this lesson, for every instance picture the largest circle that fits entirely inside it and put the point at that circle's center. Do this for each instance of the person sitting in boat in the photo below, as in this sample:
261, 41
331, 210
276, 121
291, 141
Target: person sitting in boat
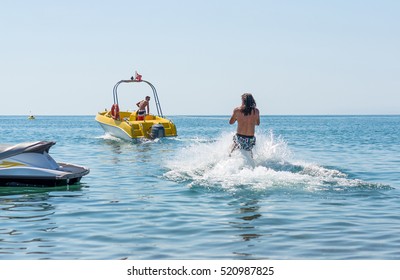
143, 107
247, 116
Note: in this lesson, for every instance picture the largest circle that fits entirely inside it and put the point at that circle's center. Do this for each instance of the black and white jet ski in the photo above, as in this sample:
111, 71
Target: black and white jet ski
29, 164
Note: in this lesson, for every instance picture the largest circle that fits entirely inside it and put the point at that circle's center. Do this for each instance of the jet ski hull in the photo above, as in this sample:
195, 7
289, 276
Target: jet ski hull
29, 164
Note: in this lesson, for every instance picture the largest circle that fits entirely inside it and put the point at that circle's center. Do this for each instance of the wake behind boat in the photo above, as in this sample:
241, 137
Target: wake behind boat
127, 125
29, 164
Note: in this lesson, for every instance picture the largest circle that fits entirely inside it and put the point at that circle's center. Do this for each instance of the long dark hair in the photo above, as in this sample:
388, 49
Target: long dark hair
249, 104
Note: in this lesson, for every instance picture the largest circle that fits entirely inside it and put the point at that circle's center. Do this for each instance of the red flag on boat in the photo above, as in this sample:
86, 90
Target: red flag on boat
138, 77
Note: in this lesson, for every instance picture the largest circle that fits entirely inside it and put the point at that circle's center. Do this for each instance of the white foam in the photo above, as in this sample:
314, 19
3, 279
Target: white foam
208, 164
143, 140
108, 136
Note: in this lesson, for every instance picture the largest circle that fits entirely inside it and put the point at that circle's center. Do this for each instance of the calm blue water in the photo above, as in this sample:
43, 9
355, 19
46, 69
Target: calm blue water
319, 187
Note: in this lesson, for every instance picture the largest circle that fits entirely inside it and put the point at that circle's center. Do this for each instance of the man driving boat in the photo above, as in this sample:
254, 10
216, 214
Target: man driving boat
143, 106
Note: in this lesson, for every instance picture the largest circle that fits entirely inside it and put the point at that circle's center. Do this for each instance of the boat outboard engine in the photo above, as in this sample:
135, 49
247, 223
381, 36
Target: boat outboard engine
157, 131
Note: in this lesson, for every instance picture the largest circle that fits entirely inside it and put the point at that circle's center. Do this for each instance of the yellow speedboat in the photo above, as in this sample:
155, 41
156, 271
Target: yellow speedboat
126, 124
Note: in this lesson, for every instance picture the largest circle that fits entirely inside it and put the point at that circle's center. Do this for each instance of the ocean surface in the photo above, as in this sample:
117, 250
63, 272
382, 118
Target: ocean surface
317, 187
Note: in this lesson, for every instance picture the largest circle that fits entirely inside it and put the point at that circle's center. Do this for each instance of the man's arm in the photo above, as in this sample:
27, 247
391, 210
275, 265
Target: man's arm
258, 117
233, 117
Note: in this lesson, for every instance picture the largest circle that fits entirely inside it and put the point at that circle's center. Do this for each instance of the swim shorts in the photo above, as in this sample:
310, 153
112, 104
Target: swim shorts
141, 114
244, 142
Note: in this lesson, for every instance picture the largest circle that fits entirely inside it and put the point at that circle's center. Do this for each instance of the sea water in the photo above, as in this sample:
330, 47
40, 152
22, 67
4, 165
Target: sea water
314, 187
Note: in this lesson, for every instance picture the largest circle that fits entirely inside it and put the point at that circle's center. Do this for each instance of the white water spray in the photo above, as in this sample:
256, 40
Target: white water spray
208, 164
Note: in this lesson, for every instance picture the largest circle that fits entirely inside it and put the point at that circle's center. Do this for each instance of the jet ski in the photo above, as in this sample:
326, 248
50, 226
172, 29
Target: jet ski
29, 164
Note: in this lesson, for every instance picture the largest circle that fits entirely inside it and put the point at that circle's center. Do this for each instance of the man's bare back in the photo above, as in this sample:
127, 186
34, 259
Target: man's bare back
246, 124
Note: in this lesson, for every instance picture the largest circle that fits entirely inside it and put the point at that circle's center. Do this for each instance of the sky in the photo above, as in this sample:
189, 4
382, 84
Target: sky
297, 57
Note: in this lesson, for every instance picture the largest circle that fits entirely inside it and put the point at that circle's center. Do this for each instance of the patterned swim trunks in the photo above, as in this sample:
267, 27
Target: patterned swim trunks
244, 142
